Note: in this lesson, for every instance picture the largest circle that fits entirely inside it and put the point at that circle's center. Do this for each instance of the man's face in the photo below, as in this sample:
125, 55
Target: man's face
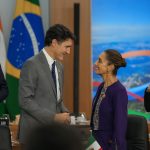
62, 49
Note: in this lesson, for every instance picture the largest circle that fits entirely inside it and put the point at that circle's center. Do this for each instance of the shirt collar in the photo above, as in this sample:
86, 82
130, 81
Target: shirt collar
50, 60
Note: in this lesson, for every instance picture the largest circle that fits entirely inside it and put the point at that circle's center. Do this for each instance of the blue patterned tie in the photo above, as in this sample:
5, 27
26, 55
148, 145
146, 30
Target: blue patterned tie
53, 74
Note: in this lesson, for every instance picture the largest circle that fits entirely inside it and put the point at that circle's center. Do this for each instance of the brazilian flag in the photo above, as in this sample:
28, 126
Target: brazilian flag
26, 40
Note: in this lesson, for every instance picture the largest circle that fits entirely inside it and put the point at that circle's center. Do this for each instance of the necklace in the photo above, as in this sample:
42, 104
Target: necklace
103, 93
96, 112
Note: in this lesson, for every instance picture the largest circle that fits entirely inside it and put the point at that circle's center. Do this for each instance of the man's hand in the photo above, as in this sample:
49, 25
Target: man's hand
62, 117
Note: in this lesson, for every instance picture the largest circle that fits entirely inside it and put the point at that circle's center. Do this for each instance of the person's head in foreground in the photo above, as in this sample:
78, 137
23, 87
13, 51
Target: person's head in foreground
54, 137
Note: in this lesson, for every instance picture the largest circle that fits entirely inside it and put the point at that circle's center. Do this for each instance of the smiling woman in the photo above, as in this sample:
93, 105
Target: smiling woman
125, 27
106, 60
109, 112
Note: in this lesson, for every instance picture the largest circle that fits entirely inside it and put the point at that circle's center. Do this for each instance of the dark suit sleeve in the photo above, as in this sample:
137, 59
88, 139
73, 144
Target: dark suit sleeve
3, 86
147, 100
120, 119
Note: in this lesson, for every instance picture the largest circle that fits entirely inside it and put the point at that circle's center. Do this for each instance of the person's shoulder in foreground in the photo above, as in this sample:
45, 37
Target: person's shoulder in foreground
54, 136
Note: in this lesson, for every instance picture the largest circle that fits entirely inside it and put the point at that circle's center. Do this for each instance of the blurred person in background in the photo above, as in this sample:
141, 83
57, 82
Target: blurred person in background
3, 86
147, 99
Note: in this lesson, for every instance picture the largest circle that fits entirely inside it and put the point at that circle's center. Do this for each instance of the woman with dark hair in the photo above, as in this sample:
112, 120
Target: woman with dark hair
109, 111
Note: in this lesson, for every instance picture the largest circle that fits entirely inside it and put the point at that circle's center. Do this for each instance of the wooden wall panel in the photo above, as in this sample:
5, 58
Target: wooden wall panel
61, 11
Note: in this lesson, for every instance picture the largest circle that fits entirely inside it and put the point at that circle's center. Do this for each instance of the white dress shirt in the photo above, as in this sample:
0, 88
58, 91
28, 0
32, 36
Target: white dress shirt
50, 61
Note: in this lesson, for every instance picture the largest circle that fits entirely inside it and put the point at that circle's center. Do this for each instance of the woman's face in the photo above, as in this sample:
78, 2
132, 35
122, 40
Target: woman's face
101, 65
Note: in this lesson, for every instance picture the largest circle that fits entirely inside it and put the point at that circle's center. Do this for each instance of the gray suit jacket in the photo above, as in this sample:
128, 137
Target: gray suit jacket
37, 94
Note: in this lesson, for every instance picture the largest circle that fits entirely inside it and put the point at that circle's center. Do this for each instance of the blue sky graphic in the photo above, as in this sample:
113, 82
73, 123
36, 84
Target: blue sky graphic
120, 20
123, 25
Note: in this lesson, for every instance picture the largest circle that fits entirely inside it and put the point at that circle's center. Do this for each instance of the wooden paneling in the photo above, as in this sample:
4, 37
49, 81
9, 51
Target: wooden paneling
61, 11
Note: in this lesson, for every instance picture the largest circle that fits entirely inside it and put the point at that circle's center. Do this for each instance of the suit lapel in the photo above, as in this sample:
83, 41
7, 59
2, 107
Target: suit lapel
47, 71
59, 77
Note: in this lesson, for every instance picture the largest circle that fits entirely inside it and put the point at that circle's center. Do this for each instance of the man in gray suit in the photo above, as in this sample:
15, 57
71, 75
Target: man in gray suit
41, 83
